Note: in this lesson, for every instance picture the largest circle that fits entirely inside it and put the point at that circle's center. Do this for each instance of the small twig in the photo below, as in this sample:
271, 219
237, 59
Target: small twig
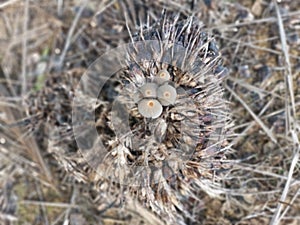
288, 77
290, 204
261, 171
58, 218
60, 4
50, 204
256, 118
24, 47
5, 4
276, 217
40, 196
11, 218
70, 34
290, 120
72, 202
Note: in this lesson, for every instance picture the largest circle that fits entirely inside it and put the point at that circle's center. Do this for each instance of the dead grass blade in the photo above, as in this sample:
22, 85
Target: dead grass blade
24, 48
255, 117
290, 117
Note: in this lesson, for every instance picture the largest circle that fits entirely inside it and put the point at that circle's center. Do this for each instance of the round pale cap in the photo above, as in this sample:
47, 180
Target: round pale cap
150, 108
166, 94
148, 90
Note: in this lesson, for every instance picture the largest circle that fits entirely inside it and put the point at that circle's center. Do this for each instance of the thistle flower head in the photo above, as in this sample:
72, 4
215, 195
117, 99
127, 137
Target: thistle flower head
171, 75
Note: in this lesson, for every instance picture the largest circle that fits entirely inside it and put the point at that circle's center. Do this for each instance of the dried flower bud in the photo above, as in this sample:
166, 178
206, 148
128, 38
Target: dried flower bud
162, 160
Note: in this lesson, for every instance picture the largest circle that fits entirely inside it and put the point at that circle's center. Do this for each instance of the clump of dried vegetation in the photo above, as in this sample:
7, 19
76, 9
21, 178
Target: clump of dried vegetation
46, 47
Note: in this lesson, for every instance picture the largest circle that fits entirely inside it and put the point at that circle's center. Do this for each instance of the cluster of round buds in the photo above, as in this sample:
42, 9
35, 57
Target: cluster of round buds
152, 96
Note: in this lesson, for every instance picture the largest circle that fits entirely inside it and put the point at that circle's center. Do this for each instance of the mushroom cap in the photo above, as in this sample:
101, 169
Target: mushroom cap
166, 94
148, 90
163, 75
150, 108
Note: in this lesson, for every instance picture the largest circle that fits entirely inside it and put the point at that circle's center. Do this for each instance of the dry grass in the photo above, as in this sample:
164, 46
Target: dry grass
260, 42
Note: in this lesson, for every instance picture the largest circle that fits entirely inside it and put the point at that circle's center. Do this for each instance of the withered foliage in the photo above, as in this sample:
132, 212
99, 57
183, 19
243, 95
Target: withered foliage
183, 167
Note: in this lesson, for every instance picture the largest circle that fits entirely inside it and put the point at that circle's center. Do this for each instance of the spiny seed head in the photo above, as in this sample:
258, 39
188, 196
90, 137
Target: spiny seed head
166, 94
150, 108
164, 159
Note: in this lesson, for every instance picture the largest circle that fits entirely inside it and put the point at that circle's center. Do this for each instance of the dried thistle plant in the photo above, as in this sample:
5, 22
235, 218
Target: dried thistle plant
161, 119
